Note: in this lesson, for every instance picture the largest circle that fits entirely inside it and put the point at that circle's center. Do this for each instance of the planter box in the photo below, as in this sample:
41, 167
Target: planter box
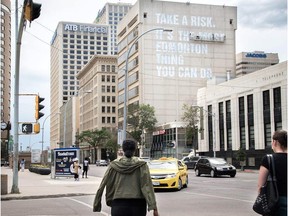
40, 170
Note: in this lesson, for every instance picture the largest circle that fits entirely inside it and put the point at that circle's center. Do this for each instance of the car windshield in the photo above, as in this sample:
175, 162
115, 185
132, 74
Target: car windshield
162, 165
217, 161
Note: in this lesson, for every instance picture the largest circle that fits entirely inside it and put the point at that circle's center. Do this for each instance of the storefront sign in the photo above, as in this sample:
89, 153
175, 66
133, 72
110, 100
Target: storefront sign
63, 158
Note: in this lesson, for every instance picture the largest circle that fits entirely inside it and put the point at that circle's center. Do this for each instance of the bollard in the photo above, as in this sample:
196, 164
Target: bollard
4, 184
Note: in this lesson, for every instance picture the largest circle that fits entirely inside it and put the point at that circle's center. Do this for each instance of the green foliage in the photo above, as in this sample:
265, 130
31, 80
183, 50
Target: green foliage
241, 154
112, 147
95, 138
141, 118
191, 115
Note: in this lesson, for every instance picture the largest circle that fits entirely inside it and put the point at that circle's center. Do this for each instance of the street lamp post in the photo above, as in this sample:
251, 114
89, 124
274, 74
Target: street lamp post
42, 129
126, 77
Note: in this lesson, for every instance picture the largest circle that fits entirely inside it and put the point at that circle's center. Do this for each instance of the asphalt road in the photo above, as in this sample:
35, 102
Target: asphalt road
205, 196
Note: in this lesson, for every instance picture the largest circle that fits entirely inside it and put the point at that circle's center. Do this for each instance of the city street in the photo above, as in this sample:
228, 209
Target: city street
204, 196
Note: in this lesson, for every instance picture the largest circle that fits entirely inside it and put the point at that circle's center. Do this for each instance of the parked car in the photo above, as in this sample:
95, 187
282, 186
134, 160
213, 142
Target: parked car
101, 163
214, 167
191, 161
168, 173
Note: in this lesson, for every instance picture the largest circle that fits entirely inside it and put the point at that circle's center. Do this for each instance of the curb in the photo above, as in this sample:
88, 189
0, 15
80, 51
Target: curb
43, 196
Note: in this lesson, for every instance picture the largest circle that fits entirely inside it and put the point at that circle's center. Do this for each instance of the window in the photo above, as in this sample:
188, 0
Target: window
228, 124
103, 120
103, 99
267, 133
103, 68
103, 109
266, 100
103, 78
277, 108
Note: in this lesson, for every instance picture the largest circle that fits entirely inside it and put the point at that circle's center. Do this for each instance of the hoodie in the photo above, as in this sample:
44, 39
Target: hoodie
126, 178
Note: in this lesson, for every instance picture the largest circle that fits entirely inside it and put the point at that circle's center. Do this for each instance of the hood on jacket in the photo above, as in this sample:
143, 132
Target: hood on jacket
126, 165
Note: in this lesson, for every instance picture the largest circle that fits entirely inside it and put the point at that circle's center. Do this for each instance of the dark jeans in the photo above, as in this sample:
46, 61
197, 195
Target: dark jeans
76, 176
85, 170
129, 207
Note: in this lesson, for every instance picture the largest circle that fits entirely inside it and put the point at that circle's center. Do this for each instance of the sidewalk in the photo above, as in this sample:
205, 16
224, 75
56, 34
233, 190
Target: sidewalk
32, 185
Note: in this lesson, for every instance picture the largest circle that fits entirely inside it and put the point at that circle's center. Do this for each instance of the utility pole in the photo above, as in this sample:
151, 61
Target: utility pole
30, 12
18, 34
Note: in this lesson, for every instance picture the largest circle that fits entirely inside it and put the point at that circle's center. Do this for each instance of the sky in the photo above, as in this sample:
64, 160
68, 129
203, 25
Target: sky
262, 26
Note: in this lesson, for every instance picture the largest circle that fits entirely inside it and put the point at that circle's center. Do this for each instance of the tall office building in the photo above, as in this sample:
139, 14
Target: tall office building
111, 14
248, 62
98, 99
5, 74
165, 69
72, 46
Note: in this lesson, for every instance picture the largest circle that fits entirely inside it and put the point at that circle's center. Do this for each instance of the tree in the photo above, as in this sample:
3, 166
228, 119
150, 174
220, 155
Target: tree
140, 118
191, 115
95, 138
112, 147
241, 157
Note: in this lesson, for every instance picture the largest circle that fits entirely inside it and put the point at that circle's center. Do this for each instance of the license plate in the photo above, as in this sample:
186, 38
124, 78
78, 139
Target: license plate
156, 183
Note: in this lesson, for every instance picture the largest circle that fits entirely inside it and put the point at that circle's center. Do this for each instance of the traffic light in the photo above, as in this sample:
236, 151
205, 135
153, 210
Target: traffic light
38, 107
36, 128
31, 10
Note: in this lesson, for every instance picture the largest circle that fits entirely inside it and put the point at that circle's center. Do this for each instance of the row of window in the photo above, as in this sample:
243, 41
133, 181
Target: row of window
108, 120
108, 89
250, 120
79, 47
108, 99
85, 37
108, 78
108, 109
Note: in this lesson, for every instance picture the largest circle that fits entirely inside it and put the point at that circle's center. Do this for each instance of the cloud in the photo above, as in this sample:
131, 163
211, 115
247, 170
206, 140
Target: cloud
262, 14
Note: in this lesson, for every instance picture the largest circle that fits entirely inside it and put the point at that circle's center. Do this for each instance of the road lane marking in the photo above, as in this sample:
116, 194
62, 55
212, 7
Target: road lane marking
228, 198
85, 204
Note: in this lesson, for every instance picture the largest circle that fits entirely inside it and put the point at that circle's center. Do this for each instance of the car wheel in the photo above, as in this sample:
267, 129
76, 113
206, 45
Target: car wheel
179, 184
187, 181
233, 175
197, 172
212, 173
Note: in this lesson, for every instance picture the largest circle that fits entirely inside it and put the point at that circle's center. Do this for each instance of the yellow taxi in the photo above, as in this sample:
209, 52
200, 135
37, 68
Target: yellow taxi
168, 173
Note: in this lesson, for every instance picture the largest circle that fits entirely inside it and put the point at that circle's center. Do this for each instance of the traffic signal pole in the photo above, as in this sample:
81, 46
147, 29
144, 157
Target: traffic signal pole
18, 34
31, 11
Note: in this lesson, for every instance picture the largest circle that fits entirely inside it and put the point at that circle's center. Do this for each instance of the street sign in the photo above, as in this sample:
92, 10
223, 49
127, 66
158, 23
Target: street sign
27, 128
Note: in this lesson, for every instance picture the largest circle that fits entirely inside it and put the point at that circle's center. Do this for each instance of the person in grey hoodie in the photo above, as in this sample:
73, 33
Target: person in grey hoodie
129, 188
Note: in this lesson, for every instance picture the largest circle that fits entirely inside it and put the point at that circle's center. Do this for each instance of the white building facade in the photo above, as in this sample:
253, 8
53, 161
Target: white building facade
244, 113
165, 69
